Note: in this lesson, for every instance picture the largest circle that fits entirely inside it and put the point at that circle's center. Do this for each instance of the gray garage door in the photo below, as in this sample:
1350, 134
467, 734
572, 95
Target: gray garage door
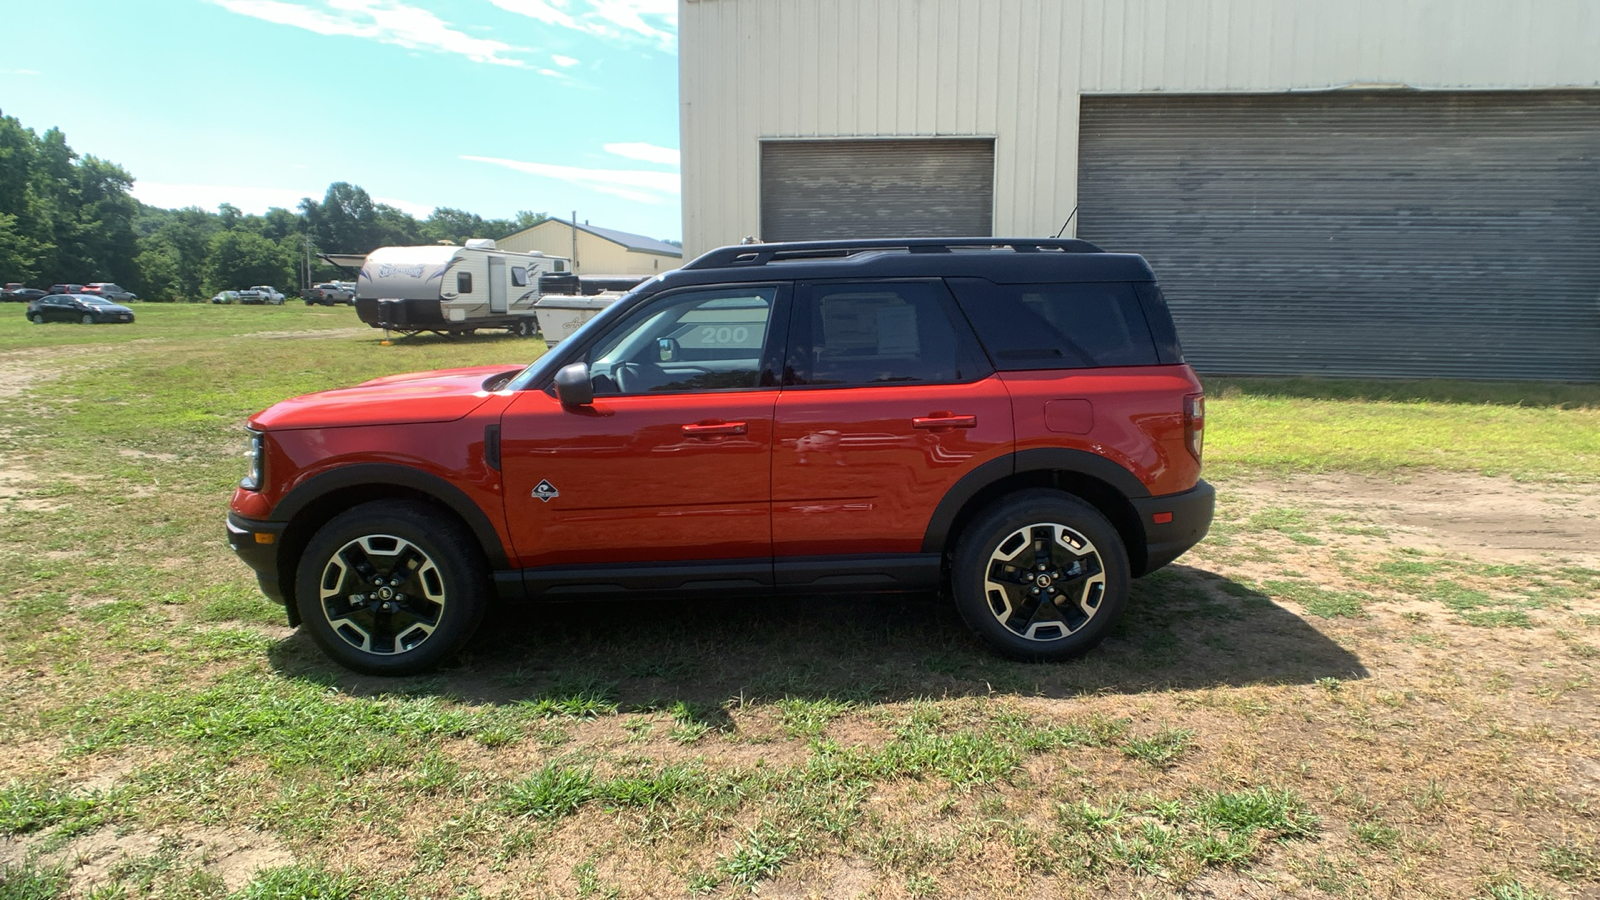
819, 190
1412, 234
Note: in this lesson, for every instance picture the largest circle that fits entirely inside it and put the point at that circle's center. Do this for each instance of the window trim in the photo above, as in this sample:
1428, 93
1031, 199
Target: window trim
772, 349
970, 351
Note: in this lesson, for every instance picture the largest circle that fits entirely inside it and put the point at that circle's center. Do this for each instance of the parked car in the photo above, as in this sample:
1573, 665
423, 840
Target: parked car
66, 289
226, 297
16, 292
329, 293
1014, 421
261, 293
85, 308
109, 291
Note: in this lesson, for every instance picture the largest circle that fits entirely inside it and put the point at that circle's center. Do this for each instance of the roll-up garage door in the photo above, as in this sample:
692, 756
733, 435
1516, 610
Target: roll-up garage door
821, 190
1381, 234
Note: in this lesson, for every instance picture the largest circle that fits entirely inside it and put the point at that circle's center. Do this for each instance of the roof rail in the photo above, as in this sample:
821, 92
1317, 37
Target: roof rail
762, 254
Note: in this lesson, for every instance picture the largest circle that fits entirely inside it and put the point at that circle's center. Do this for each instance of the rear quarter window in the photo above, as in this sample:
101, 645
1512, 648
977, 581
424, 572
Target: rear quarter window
1057, 326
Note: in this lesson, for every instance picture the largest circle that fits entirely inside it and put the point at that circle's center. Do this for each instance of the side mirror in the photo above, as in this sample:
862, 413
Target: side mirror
573, 387
666, 350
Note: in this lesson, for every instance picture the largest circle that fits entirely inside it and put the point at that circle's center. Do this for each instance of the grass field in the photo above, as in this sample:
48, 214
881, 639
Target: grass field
1314, 704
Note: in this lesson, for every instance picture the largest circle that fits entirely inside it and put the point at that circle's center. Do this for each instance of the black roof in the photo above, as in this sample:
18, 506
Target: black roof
1001, 260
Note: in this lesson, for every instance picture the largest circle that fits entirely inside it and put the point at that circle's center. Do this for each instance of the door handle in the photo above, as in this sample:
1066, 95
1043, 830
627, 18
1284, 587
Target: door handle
713, 429
942, 421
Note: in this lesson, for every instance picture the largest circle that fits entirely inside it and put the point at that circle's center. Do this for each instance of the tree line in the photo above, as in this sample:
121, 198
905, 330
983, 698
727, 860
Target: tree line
66, 217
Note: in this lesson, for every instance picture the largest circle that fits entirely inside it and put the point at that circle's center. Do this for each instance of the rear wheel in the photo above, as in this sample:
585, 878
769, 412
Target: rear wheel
391, 588
1040, 576
88, 319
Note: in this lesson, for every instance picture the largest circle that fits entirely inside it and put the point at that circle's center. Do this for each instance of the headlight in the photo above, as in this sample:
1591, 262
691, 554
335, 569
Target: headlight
252, 480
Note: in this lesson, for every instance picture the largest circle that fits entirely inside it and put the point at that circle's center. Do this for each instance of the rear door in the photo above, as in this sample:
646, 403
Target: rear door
887, 402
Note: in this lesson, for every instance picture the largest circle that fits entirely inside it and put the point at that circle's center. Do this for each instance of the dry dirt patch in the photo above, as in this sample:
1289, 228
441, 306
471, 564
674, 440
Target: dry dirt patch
234, 855
1494, 519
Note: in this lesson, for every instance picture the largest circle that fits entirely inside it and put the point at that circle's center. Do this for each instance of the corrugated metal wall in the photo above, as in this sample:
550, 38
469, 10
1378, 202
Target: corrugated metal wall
816, 190
1014, 70
1394, 234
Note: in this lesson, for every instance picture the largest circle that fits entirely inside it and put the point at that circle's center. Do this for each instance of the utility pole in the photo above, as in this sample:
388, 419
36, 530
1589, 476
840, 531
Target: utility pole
574, 242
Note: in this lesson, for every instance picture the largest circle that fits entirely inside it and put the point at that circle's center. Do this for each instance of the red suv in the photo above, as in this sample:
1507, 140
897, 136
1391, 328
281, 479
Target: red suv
1011, 418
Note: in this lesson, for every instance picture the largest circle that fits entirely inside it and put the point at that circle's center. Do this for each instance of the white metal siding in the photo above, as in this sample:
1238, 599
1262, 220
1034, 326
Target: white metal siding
754, 69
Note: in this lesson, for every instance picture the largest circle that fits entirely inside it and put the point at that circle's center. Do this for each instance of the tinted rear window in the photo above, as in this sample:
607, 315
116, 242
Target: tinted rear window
1057, 326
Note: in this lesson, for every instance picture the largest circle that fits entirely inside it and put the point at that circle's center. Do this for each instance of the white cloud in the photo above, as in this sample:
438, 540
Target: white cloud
256, 200
563, 61
19, 72
385, 21
168, 195
630, 184
647, 21
419, 210
667, 156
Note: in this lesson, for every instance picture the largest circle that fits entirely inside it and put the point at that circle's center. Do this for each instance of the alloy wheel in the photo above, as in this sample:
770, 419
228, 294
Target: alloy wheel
1044, 581
382, 594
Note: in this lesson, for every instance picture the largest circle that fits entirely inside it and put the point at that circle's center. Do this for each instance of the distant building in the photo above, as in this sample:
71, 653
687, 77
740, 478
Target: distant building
596, 251
1333, 187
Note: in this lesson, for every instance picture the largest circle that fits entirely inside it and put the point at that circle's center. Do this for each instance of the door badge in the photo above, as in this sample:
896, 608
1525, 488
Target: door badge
545, 491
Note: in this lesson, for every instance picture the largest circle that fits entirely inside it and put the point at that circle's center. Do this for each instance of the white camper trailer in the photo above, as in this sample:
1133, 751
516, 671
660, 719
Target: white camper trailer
452, 290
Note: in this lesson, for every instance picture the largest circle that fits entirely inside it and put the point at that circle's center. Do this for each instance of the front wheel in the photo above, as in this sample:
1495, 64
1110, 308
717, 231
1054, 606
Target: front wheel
38, 318
1040, 576
391, 588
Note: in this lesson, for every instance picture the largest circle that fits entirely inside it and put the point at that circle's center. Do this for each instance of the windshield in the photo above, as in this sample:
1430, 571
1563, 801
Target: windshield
539, 368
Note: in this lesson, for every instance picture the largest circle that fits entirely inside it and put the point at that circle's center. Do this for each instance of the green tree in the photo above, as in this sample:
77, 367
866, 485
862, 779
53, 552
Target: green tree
239, 259
158, 268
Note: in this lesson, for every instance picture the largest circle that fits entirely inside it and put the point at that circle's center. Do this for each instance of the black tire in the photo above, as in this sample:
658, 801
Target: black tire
1045, 614
38, 318
526, 328
430, 573
88, 319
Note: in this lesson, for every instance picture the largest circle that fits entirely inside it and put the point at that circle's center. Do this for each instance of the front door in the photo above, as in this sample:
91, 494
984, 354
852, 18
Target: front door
497, 284
670, 463
887, 402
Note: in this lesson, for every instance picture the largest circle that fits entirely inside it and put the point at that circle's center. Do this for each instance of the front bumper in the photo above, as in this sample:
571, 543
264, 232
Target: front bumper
256, 542
1174, 523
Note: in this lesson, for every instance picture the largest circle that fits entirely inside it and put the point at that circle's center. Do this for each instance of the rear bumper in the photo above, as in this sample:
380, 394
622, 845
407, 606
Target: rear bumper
1174, 523
256, 543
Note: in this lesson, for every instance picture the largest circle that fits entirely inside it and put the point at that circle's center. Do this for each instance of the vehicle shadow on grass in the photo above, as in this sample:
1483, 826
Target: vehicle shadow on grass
1185, 628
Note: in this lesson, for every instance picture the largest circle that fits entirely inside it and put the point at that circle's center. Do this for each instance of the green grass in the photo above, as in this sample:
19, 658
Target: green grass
1296, 425
718, 746
1320, 601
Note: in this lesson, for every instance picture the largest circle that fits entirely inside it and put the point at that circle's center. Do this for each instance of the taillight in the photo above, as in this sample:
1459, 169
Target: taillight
1194, 423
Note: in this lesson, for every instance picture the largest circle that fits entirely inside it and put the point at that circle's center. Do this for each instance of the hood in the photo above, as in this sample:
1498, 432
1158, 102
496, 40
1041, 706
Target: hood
441, 396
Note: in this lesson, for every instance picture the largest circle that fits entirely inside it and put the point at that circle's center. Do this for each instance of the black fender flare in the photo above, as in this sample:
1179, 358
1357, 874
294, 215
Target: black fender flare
389, 475
1058, 459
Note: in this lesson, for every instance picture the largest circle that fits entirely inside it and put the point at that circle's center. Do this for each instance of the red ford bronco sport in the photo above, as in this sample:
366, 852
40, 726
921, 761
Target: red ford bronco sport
1012, 418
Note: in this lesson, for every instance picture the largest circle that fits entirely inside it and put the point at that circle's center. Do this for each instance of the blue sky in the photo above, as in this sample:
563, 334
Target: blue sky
492, 106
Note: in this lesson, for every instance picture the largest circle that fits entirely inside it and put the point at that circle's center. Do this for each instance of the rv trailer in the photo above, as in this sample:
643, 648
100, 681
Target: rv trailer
452, 290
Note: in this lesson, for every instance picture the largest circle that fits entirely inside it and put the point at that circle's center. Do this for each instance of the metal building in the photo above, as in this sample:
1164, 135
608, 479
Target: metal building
594, 250
1341, 187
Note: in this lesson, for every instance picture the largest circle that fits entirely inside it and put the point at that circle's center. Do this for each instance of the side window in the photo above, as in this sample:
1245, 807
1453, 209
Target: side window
1057, 326
464, 282
698, 340
878, 333
519, 276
